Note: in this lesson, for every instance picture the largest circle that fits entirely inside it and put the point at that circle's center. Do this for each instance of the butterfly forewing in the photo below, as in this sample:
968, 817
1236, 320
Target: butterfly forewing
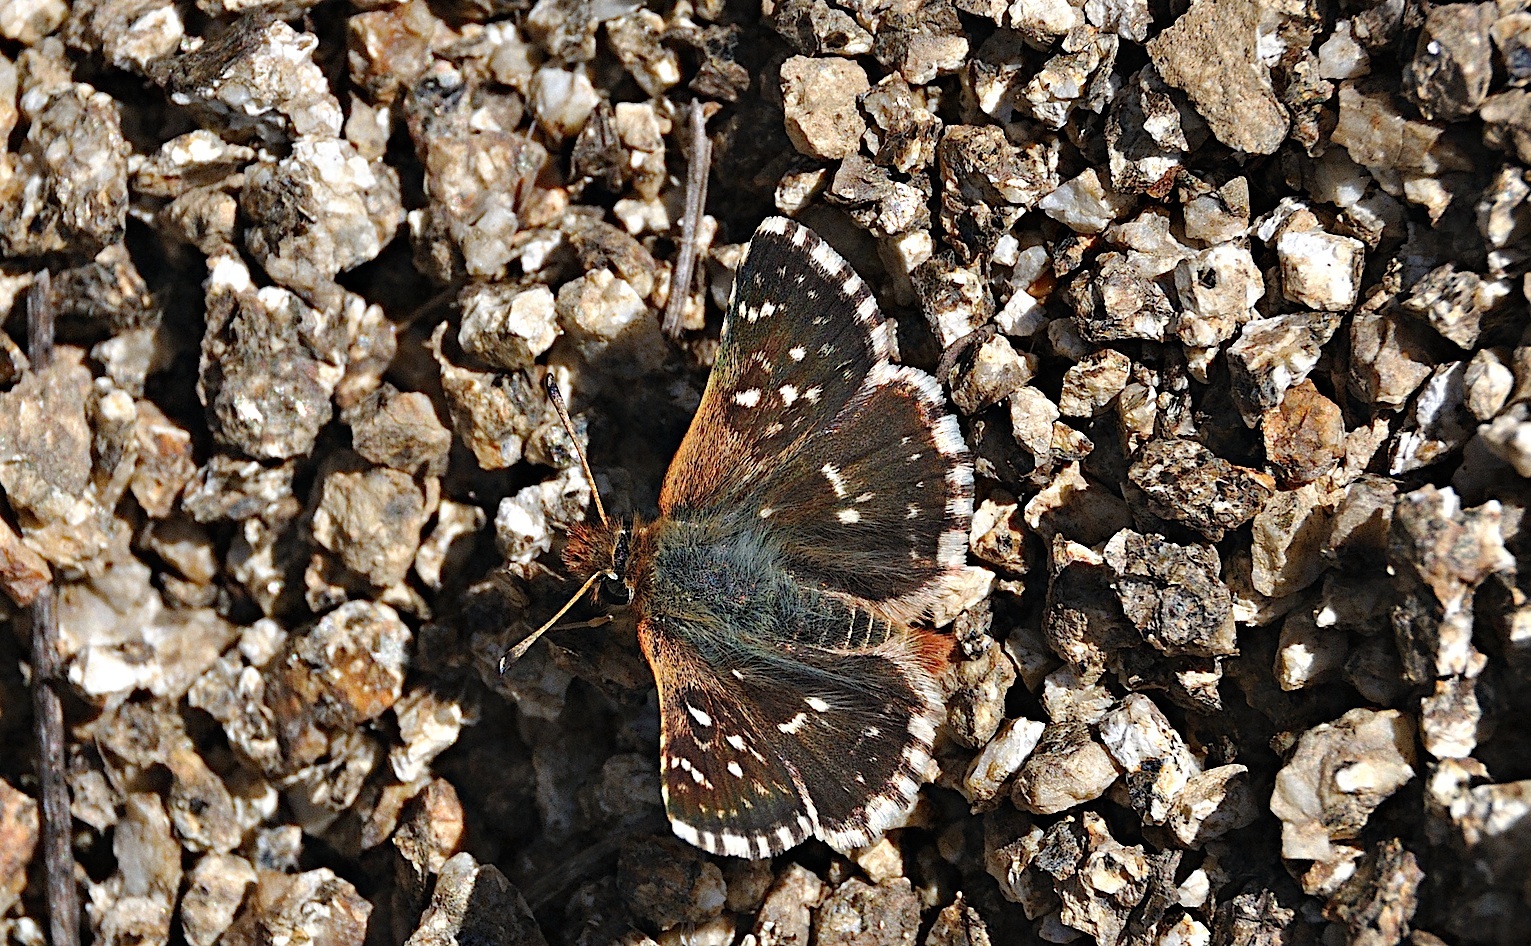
801, 333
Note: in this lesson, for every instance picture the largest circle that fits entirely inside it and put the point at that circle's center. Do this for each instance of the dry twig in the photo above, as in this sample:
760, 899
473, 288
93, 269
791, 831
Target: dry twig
699, 167
47, 706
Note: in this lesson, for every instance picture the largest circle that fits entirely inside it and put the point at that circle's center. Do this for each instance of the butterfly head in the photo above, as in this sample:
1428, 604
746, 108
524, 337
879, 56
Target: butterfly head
604, 550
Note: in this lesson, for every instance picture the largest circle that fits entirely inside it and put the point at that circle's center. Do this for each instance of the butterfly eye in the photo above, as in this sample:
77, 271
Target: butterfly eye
616, 591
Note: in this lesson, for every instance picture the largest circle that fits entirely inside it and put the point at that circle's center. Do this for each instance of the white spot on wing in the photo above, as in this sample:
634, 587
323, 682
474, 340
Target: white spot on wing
734, 741
836, 481
849, 516
798, 353
747, 398
702, 719
792, 725
788, 394
734, 770
816, 704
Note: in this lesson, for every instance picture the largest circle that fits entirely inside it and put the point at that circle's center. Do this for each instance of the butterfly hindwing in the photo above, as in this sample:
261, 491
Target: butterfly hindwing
878, 506
726, 788
758, 751
801, 333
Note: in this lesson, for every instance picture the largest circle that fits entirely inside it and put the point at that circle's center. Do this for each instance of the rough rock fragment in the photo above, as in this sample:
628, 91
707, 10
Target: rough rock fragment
876, 201
814, 28
1508, 437
785, 916
18, 839
474, 903
820, 101
1173, 594
1289, 533
955, 298
399, 429
1156, 764
1319, 270
1454, 303
1079, 76
321, 210
1093, 383
1436, 424
993, 375
269, 364
1001, 758
636, 41
1390, 357
346, 670
1304, 435
604, 313
1184, 481
1336, 777
370, 519
1443, 552
1449, 75
23, 573
313, 907
857, 912
976, 704
494, 414
65, 190
667, 882
1394, 148
1212, 53
1066, 769
215, 889
1378, 901
904, 128
165, 462
1083, 621
922, 42
136, 903
1085, 204
1147, 135
1217, 289
257, 76
1273, 354
1213, 803
1117, 301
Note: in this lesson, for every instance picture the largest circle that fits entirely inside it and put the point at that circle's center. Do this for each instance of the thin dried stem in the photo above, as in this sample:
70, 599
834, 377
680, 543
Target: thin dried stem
698, 169
47, 706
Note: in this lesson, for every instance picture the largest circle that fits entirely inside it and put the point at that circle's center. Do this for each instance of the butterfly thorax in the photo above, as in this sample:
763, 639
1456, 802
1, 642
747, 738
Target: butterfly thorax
724, 581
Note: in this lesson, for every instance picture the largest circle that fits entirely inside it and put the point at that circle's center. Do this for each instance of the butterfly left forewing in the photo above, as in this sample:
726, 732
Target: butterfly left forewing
801, 333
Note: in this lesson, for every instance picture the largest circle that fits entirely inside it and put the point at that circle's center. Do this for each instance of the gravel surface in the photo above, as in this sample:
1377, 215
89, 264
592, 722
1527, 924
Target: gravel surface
1235, 298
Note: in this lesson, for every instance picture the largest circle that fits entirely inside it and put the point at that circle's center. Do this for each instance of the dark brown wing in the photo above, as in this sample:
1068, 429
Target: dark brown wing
801, 333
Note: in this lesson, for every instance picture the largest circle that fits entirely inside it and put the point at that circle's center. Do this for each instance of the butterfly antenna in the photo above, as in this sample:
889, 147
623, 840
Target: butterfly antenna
519, 651
556, 397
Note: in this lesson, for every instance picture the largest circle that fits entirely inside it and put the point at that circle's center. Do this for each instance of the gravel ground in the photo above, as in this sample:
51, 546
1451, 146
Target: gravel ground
1235, 297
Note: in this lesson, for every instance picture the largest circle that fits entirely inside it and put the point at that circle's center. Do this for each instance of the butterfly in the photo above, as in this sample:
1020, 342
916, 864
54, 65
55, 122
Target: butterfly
817, 508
